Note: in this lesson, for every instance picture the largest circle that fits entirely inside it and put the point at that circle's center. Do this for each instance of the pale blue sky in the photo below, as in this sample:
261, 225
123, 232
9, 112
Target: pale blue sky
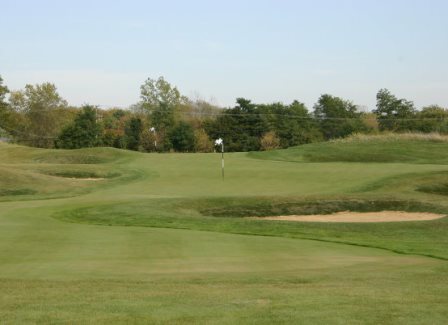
100, 52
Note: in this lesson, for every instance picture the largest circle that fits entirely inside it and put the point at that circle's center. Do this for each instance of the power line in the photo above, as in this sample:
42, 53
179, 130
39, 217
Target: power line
275, 115
379, 118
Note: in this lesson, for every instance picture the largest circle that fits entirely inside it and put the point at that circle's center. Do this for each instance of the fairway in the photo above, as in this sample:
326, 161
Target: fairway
161, 238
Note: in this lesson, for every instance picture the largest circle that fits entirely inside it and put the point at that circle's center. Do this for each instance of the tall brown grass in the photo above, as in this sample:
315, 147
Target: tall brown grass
390, 137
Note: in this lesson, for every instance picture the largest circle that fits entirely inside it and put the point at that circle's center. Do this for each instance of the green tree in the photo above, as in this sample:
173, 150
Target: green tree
337, 117
163, 120
4, 113
43, 109
293, 124
148, 140
394, 114
154, 92
432, 119
84, 132
133, 131
161, 101
3, 92
12, 123
114, 122
182, 137
202, 141
241, 127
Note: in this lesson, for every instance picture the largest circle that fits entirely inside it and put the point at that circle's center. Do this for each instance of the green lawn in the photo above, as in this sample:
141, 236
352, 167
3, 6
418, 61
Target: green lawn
160, 238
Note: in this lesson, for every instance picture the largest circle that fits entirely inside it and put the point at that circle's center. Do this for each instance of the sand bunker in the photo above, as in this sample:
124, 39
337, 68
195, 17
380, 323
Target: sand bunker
347, 216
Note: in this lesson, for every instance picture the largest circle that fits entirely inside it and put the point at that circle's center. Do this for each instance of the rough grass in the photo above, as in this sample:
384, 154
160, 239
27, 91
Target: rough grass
441, 189
410, 148
20, 154
390, 137
354, 295
263, 207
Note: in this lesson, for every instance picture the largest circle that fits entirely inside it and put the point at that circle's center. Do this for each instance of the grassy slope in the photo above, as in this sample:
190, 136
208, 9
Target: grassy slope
380, 150
30, 174
58, 271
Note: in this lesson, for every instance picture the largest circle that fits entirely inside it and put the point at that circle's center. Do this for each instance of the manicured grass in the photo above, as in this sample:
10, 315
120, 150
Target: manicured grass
426, 238
62, 272
163, 240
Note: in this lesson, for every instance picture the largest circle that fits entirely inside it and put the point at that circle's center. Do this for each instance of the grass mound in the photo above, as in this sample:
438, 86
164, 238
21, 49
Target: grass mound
264, 208
29, 173
82, 156
12, 153
441, 189
391, 137
381, 149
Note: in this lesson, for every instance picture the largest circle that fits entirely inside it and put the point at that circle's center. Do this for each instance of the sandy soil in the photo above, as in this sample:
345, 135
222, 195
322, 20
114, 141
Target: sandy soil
347, 216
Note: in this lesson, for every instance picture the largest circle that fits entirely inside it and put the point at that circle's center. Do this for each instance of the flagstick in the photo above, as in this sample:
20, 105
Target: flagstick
222, 159
220, 142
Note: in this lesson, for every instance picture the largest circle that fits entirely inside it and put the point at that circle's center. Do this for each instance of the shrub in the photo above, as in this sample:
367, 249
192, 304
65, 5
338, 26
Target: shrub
270, 141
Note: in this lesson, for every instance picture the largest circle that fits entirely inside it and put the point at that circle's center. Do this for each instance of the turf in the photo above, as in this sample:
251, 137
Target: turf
425, 238
161, 238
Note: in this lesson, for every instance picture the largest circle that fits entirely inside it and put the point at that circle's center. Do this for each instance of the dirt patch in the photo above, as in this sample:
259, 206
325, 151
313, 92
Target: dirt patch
347, 216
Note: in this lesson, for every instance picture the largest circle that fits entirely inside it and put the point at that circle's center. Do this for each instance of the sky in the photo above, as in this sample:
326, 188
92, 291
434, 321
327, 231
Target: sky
100, 52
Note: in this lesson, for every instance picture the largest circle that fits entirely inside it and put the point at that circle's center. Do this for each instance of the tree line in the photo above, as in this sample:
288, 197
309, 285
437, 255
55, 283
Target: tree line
164, 120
